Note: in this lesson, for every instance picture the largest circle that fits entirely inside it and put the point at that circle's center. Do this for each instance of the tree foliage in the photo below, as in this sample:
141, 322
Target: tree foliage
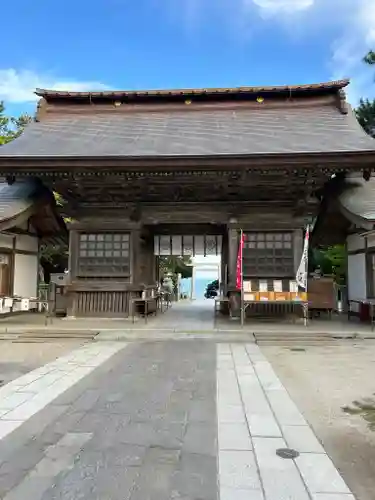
369, 57
331, 261
365, 114
365, 111
175, 265
11, 127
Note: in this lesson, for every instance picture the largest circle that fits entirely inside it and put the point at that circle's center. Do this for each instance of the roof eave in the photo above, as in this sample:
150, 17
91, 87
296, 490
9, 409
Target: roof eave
333, 85
355, 160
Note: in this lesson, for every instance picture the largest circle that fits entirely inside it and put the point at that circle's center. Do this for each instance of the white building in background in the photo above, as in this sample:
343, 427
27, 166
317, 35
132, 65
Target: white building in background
28, 217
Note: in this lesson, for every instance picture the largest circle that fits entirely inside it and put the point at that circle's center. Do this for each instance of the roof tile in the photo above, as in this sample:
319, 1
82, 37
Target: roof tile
204, 132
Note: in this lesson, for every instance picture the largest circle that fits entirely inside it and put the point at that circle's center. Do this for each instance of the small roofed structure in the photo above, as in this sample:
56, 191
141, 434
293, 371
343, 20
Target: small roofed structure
349, 218
28, 218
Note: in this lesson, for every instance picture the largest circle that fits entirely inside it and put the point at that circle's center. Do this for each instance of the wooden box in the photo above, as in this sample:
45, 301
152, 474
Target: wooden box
282, 296
265, 296
249, 296
321, 293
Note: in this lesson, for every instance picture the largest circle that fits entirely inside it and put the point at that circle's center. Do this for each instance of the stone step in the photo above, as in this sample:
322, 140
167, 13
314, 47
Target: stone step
306, 343
55, 335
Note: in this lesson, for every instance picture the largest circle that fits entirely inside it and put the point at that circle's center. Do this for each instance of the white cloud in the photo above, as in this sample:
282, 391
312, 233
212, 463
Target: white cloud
348, 50
18, 86
351, 23
271, 7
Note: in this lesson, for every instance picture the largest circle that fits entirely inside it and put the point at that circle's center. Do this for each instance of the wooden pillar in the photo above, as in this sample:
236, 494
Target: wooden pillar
73, 271
233, 241
137, 257
224, 265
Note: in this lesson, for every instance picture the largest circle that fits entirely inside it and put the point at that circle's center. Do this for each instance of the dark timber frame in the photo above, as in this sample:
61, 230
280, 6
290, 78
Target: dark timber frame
149, 180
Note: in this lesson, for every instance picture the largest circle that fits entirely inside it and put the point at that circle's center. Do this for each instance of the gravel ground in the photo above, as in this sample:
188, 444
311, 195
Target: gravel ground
322, 380
16, 359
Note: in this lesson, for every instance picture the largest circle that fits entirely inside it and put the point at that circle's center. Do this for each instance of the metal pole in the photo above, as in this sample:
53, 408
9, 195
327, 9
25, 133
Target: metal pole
306, 307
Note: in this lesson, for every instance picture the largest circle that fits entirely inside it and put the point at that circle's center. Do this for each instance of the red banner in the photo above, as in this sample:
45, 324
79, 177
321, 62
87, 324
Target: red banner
239, 263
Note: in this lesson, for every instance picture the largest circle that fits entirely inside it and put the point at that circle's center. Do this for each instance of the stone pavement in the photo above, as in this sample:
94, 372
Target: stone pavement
193, 318
187, 420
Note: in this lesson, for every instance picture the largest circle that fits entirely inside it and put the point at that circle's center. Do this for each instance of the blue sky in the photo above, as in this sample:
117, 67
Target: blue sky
144, 44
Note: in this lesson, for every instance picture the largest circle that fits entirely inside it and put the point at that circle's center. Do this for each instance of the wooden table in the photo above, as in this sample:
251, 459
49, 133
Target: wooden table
291, 304
145, 301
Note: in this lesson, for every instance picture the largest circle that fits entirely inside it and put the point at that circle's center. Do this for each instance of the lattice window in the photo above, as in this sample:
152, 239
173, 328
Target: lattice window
104, 254
268, 255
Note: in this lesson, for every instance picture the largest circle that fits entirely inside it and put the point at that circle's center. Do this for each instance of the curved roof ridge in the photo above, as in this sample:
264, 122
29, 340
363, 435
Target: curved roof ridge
332, 85
359, 200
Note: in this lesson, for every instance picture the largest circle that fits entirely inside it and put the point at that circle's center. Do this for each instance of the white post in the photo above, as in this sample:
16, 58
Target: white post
192, 296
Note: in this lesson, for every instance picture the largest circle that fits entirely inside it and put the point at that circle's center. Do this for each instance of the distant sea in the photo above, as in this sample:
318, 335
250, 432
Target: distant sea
200, 286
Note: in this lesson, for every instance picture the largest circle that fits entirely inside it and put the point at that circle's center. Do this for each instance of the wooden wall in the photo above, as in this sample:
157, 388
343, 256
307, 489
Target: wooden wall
109, 294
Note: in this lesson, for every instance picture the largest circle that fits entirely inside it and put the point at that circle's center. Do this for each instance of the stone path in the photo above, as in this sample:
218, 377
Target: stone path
187, 420
256, 417
25, 396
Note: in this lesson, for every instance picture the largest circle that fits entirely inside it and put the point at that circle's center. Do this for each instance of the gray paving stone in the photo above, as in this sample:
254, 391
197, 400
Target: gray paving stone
87, 400
137, 411
332, 496
238, 470
234, 437
284, 408
100, 423
75, 439
122, 455
320, 475
237, 494
280, 477
25, 459
94, 483
267, 376
169, 435
230, 414
156, 474
302, 439
31, 487
57, 429
10, 480
195, 478
202, 410
263, 426
200, 439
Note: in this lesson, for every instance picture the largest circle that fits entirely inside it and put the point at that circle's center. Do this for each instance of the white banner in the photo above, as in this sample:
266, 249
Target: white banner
302, 272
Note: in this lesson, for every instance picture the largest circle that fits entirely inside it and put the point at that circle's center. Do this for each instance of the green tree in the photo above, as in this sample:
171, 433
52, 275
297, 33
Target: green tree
175, 265
10, 127
331, 261
365, 114
369, 57
365, 111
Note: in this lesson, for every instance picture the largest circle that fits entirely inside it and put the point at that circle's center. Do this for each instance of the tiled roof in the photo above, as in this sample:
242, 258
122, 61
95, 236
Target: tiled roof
315, 87
200, 132
16, 198
360, 199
